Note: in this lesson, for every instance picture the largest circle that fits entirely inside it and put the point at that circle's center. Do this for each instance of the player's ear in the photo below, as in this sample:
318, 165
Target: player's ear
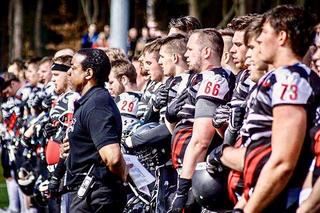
206, 52
175, 58
124, 80
88, 74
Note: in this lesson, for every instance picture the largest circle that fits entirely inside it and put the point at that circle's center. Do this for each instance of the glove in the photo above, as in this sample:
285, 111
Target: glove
221, 116
236, 118
128, 143
37, 102
49, 130
46, 103
230, 136
161, 99
25, 141
54, 185
181, 197
175, 107
213, 162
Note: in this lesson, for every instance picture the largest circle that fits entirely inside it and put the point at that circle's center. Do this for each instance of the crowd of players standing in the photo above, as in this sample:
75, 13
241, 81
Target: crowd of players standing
244, 100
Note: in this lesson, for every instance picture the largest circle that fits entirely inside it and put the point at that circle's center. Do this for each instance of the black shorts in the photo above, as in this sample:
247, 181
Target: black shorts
100, 199
5, 162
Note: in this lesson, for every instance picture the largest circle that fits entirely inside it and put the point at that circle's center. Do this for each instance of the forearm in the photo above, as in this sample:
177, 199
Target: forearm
233, 158
312, 204
195, 153
111, 155
29, 132
308, 181
279, 168
272, 180
202, 135
152, 136
169, 125
241, 203
118, 168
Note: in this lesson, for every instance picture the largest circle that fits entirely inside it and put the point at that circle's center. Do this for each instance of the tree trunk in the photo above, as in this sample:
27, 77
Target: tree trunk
10, 30
300, 2
88, 6
227, 17
194, 9
86, 10
95, 11
242, 7
17, 29
37, 28
224, 8
150, 12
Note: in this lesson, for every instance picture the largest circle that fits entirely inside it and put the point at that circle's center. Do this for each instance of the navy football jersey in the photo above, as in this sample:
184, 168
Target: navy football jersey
290, 85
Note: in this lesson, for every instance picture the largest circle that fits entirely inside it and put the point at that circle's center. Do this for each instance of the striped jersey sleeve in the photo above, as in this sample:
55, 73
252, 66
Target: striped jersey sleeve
127, 104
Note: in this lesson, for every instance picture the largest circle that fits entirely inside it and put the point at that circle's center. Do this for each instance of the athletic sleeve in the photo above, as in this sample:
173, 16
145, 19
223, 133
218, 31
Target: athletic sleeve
213, 88
205, 108
290, 88
102, 128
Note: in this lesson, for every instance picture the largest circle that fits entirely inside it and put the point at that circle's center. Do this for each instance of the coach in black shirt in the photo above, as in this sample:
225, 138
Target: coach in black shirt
94, 137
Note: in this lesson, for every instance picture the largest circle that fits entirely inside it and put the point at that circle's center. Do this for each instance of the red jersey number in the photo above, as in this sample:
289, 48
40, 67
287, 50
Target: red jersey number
291, 89
127, 106
213, 89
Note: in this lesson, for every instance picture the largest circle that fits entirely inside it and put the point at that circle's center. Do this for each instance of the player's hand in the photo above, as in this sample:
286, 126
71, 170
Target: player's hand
221, 116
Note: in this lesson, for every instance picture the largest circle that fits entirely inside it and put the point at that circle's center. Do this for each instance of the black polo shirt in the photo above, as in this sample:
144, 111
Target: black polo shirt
96, 123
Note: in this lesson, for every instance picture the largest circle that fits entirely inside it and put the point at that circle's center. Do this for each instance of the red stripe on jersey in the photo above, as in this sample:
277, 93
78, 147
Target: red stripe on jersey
179, 145
174, 156
238, 143
316, 148
251, 162
12, 121
234, 179
233, 184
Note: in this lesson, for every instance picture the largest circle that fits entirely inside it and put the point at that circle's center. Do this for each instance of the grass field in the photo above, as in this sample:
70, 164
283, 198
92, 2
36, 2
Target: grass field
3, 191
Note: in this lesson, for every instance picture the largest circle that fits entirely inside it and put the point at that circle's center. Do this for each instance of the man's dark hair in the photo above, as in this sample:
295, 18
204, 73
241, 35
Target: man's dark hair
98, 61
153, 47
45, 60
211, 37
124, 67
35, 61
175, 43
168, 39
7, 79
226, 32
20, 64
253, 30
241, 22
135, 58
63, 59
296, 22
185, 23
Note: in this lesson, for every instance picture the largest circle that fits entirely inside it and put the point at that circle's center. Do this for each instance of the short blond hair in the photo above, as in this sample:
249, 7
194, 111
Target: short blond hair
126, 68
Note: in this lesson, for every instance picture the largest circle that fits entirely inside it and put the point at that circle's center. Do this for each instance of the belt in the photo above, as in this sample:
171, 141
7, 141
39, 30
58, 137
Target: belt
70, 188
